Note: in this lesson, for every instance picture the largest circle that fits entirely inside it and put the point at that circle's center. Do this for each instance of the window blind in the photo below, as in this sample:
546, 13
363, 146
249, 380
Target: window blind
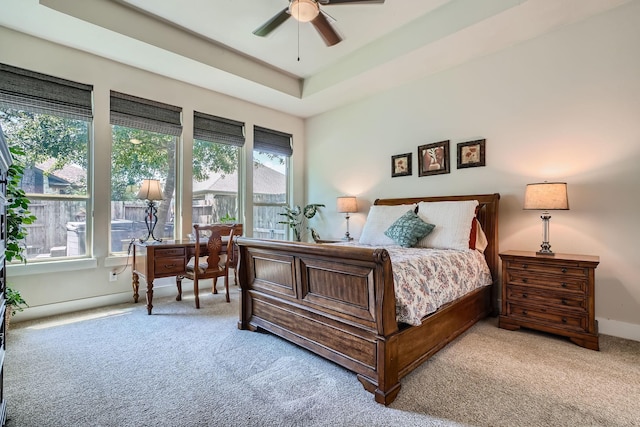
272, 141
217, 129
140, 113
39, 93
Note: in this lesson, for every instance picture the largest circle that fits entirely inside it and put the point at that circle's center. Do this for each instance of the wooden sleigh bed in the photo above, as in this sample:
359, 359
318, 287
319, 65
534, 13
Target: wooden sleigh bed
339, 302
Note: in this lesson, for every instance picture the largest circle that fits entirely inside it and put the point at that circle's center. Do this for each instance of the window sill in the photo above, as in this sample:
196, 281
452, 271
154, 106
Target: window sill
114, 260
51, 267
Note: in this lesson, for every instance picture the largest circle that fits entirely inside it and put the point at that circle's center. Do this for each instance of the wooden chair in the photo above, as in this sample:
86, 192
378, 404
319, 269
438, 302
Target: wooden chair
211, 260
234, 255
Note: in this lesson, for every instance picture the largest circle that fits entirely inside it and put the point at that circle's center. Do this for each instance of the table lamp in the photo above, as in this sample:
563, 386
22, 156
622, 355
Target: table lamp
150, 191
347, 205
546, 196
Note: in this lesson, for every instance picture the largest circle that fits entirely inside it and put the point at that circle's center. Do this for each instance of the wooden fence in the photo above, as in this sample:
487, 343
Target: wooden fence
60, 226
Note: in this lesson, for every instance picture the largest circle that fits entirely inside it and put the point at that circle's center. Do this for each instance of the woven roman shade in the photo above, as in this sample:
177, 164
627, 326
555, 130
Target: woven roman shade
217, 129
27, 90
272, 141
140, 113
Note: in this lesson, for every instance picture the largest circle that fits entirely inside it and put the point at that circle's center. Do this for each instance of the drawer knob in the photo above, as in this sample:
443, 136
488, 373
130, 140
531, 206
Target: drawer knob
564, 269
524, 266
169, 265
525, 295
564, 320
563, 284
563, 301
525, 280
525, 312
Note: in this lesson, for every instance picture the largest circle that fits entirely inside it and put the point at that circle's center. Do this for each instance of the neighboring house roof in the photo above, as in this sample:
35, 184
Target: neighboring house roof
265, 181
68, 175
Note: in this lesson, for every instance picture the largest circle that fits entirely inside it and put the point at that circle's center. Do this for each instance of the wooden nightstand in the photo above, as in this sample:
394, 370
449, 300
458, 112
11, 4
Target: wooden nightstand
550, 293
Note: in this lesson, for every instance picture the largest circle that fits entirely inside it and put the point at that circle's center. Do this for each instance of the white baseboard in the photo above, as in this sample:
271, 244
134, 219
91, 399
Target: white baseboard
42, 311
614, 328
619, 329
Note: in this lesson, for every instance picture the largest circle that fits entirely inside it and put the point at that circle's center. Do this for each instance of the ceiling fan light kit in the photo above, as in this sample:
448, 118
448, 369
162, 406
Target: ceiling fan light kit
309, 11
304, 10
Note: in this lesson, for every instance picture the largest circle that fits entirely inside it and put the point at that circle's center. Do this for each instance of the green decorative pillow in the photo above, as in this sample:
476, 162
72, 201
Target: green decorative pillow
407, 230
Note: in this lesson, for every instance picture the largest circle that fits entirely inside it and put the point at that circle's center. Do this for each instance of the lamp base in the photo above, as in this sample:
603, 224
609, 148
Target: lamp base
545, 247
150, 236
545, 253
150, 220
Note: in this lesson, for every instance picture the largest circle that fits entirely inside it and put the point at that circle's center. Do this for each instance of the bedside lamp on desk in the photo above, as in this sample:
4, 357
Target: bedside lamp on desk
150, 191
347, 205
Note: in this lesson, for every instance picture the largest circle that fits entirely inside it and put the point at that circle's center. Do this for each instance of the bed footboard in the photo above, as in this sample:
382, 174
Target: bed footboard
335, 301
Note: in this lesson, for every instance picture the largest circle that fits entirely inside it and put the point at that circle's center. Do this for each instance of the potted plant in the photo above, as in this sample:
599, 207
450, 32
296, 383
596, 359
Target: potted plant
15, 303
18, 214
297, 218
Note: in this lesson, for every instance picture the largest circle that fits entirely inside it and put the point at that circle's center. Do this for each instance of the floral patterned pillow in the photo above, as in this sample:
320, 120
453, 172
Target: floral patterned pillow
407, 230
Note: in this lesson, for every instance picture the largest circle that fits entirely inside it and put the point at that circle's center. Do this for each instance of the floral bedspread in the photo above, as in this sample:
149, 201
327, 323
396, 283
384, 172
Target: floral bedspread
426, 279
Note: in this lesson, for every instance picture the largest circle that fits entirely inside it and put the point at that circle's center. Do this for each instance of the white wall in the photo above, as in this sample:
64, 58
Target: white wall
53, 288
564, 107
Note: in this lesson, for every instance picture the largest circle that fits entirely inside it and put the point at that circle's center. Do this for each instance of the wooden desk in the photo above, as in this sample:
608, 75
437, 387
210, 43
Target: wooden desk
152, 260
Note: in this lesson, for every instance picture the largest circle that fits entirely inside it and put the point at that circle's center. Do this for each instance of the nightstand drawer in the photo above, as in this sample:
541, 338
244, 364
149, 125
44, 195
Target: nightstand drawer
519, 277
535, 296
542, 315
169, 265
561, 269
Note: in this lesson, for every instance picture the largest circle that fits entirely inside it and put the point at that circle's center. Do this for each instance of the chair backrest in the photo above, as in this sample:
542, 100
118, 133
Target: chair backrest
238, 230
214, 235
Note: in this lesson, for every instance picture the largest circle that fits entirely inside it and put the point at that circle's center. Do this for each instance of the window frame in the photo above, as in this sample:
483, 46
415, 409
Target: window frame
37, 93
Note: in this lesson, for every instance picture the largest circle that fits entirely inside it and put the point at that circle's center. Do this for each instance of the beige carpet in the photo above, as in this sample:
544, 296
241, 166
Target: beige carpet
186, 367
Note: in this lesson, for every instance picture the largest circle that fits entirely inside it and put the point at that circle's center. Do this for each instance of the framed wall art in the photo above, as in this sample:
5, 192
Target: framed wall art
471, 154
401, 165
433, 158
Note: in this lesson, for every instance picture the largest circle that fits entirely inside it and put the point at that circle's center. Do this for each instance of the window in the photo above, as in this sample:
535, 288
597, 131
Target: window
216, 149
144, 146
49, 120
272, 150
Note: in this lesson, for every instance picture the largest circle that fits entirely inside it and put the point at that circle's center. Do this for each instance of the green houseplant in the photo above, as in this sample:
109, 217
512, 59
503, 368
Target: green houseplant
15, 302
297, 218
18, 214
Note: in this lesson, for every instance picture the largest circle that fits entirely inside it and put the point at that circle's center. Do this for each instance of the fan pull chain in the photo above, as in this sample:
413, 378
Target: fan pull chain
298, 39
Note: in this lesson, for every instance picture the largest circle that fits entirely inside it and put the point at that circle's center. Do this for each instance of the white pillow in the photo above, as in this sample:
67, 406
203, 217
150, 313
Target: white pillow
453, 223
380, 218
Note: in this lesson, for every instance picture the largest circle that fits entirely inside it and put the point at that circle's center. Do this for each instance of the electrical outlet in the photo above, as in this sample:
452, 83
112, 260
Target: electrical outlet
113, 276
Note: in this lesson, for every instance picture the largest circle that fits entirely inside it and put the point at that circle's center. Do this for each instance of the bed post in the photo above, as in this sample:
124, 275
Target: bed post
245, 301
387, 384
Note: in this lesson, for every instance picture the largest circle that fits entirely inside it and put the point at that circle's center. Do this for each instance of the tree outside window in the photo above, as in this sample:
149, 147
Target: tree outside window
55, 179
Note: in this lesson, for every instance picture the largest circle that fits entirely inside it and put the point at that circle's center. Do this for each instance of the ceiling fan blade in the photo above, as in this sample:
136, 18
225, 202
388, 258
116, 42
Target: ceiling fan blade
273, 23
332, 2
326, 31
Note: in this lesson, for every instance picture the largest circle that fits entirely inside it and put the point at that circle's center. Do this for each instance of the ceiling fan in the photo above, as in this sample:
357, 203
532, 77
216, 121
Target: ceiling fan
309, 11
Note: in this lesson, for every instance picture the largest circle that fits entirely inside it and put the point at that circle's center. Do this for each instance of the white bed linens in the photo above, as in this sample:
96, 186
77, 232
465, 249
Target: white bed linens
426, 279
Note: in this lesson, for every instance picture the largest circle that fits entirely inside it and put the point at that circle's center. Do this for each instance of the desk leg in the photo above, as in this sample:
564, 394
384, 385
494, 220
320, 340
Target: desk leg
135, 283
149, 295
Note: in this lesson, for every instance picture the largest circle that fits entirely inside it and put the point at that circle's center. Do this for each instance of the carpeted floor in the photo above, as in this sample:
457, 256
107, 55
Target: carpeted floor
118, 366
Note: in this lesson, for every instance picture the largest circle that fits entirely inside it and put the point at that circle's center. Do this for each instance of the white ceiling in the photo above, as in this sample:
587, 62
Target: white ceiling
209, 43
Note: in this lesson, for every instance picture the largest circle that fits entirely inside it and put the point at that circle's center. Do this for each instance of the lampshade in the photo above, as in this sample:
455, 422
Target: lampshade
546, 196
150, 190
304, 10
347, 204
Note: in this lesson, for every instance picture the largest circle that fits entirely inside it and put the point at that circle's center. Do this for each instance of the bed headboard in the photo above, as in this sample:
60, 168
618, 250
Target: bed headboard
487, 215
